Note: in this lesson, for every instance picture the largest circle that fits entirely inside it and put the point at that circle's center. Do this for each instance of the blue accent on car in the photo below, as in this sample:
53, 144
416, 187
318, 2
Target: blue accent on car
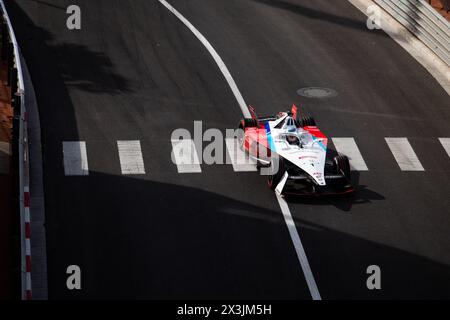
269, 137
320, 143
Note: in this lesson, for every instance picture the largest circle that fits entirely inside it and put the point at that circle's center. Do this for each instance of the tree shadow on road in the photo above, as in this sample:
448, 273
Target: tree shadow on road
202, 247
319, 15
78, 65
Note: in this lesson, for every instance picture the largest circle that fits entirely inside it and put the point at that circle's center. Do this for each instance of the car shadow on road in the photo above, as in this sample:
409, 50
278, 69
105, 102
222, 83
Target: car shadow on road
362, 195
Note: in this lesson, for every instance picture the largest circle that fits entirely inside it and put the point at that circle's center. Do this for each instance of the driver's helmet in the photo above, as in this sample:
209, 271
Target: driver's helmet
292, 139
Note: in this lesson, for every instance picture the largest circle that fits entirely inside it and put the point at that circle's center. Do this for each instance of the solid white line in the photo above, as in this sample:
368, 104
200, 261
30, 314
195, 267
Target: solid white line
348, 147
299, 248
404, 154
284, 207
223, 68
130, 155
184, 155
280, 186
75, 158
239, 159
446, 144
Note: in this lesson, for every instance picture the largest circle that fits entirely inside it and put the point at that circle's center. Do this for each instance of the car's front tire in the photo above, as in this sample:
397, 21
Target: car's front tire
342, 165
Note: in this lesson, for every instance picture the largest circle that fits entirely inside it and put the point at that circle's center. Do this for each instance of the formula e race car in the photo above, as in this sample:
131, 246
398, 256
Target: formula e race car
293, 152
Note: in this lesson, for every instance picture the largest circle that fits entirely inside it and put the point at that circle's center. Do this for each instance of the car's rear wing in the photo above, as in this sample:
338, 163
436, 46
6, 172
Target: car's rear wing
253, 113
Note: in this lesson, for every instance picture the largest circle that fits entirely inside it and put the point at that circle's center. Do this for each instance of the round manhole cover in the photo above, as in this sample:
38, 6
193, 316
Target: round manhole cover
316, 92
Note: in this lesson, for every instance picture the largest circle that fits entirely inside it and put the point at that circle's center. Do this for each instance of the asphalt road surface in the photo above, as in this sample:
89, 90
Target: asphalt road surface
135, 72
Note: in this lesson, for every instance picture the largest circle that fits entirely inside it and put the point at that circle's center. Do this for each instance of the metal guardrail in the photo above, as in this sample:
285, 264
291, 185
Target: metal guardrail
424, 22
10, 51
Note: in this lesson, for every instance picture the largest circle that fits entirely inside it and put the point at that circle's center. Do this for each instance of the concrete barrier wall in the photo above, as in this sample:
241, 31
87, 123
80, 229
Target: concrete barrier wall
424, 22
21, 196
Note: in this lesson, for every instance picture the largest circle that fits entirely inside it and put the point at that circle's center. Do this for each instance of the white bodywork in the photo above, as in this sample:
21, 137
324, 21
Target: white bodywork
309, 155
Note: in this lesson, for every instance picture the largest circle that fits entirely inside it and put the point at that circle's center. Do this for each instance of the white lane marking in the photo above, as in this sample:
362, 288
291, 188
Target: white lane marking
280, 186
299, 248
223, 68
446, 144
404, 154
75, 158
284, 207
130, 155
348, 147
239, 159
184, 155
4, 157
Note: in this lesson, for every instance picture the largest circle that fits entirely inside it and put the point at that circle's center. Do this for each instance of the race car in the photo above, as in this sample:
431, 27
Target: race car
293, 152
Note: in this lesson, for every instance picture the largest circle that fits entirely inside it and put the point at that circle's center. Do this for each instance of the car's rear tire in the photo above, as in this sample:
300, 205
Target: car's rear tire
275, 177
307, 121
342, 165
250, 123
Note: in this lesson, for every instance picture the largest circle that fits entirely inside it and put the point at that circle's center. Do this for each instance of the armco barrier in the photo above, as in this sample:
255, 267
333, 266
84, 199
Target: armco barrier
21, 196
424, 22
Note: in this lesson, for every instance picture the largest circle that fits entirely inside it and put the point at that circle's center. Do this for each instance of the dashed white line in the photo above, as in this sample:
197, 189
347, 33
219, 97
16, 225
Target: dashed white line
184, 155
446, 144
239, 159
299, 248
348, 147
75, 158
130, 156
404, 154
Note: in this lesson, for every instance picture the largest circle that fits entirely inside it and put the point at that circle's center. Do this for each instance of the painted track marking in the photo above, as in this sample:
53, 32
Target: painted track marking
404, 154
348, 147
75, 158
299, 248
239, 159
446, 144
292, 229
184, 155
130, 156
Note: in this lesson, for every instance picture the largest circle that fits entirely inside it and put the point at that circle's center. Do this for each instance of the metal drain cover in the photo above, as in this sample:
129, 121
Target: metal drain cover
316, 92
